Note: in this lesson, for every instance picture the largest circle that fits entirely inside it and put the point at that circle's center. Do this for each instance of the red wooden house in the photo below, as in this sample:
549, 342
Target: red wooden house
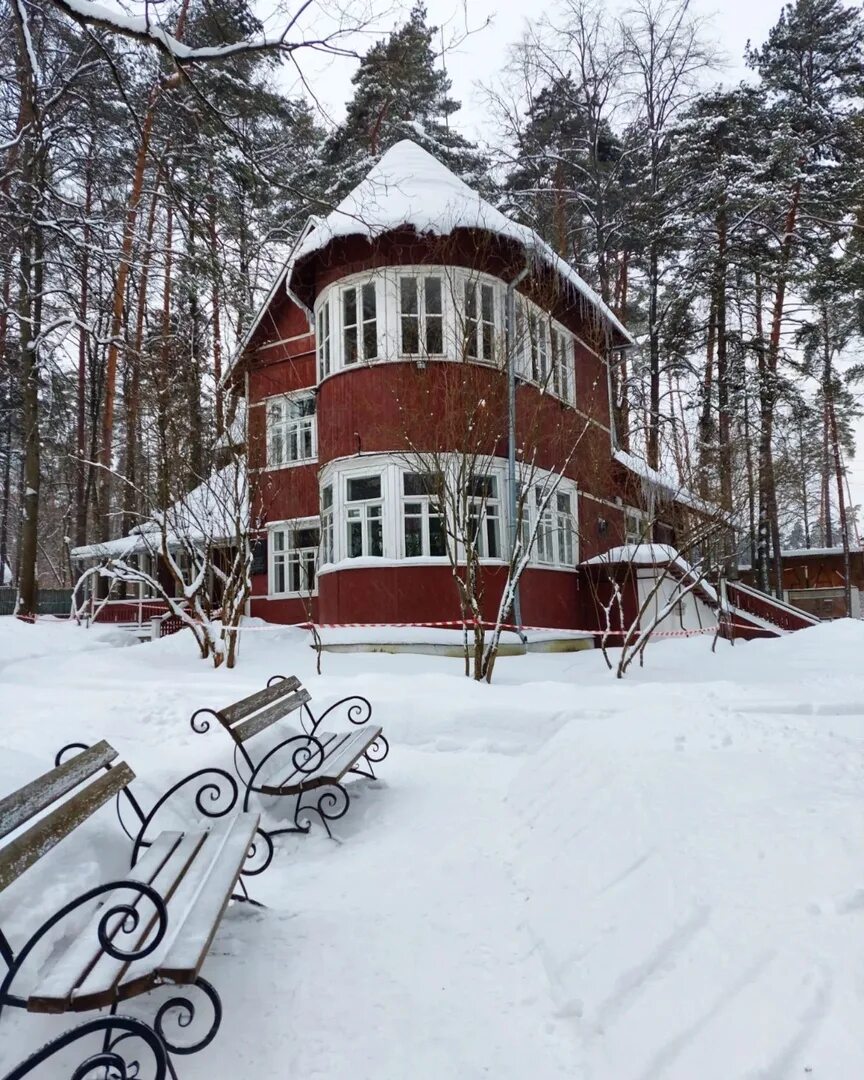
393, 316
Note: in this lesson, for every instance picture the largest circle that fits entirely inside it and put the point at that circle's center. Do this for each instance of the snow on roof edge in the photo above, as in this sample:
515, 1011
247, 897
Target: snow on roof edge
678, 492
410, 186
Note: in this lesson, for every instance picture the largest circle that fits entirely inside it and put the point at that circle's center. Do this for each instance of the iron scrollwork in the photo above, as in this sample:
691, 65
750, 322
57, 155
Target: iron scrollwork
109, 1061
118, 921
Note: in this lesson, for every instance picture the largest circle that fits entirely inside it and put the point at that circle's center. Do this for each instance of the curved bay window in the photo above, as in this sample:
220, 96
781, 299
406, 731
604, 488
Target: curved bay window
441, 313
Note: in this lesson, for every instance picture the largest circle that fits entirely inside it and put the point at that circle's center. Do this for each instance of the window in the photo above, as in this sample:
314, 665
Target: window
484, 520
538, 329
359, 323
545, 544
634, 527
294, 555
423, 526
479, 321
323, 339
421, 315
564, 528
562, 367
364, 514
327, 547
291, 429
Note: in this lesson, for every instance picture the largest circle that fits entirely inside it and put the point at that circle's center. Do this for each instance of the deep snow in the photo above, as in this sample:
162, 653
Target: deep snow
559, 876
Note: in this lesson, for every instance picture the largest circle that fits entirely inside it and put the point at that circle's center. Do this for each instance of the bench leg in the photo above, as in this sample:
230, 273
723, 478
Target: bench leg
326, 803
375, 753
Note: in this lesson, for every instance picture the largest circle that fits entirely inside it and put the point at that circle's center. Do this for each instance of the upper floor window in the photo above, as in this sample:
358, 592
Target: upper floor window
291, 429
423, 524
538, 331
562, 364
322, 339
294, 557
359, 323
421, 315
479, 312
635, 530
364, 515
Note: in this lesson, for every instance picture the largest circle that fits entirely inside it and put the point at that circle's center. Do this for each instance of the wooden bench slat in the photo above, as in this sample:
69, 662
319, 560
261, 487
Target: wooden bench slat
220, 853
22, 852
53, 991
327, 739
99, 986
204, 913
243, 708
28, 801
344, 756
264, 719
341, 752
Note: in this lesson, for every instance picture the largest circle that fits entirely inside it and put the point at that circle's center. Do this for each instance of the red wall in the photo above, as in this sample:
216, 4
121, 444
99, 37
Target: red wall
422, 594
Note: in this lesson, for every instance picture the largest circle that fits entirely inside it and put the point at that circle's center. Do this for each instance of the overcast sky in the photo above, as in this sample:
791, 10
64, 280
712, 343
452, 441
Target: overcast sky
483, 54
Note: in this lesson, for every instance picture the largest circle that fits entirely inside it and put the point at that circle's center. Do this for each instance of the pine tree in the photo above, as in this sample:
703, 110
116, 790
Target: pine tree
400, 92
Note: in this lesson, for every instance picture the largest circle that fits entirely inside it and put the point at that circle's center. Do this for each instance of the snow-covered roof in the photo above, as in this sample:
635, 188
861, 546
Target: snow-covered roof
808, 553
636, 554
410, 187
651, 555
208, 512
663, 484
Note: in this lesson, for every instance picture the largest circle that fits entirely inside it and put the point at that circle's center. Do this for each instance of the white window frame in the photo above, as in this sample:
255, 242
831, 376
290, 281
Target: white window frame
488, 509
425, 502
324, 338
288, 555
282, 430
632, 515
474, 289
359, 289
328, 538
420, 276
363, 511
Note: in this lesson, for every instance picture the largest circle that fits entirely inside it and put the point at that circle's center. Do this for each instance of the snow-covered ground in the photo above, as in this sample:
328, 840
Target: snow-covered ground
560, 876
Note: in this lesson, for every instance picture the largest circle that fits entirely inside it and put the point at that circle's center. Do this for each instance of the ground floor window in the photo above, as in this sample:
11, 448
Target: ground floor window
364, 514
422, 523
294, 558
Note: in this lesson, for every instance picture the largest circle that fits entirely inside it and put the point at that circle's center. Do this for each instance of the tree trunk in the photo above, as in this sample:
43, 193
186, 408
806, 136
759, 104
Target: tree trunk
841, 508
132, 392
30, 271
654, 361
706, 414
217, 312
81, 405
118, 310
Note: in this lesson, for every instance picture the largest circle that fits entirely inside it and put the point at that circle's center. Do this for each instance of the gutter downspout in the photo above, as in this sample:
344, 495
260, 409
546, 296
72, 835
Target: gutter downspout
511, 431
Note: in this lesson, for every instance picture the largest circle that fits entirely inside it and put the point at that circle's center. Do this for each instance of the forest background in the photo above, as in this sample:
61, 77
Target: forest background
157, 160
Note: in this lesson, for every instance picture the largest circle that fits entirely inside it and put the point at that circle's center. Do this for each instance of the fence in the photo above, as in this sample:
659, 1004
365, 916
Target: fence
49, 601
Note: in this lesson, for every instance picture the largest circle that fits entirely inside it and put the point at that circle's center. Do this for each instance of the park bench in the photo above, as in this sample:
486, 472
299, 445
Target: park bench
310, 764
153, 926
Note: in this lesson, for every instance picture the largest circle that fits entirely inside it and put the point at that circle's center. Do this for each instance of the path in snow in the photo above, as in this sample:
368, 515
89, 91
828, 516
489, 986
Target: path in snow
561, 876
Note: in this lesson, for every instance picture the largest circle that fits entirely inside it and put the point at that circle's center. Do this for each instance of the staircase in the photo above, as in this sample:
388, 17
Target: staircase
756, 614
